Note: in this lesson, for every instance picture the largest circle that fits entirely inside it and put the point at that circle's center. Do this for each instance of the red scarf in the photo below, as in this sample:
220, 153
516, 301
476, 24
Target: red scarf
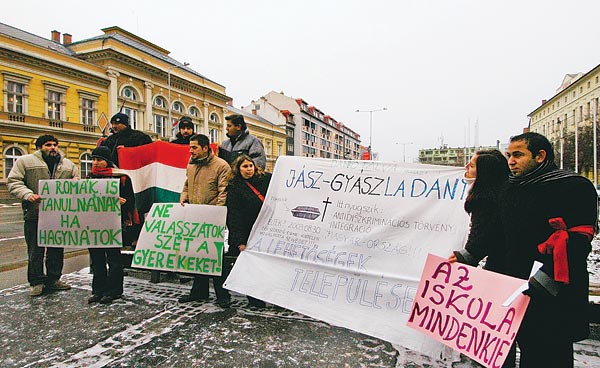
556, 244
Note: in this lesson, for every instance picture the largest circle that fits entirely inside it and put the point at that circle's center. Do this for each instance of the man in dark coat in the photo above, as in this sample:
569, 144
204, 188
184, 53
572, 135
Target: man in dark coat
186, 130
549, 215
123, 136
241, 142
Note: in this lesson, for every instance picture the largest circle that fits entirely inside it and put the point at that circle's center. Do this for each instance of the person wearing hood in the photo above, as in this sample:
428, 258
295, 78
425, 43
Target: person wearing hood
240, 141
186, 130
206, 183
22, 182
107, 284
123, 136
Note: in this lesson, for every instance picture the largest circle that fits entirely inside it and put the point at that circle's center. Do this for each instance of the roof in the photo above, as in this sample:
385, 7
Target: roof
144, 46
33, 39
247, 114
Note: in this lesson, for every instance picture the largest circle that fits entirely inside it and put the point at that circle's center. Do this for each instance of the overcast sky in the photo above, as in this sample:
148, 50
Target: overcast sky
437, 66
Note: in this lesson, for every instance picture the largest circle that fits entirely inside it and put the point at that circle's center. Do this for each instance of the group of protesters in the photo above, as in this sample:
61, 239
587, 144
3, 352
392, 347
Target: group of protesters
238, 170
523, 209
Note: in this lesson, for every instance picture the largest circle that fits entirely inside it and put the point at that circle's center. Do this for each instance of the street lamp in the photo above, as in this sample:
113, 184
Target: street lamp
404, 150
371, 127
170, 126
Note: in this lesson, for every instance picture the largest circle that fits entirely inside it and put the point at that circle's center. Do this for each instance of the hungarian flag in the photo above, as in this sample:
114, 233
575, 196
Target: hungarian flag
157, 172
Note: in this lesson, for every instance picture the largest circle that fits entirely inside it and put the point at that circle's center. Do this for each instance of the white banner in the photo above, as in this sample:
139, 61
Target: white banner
182, 239
346, 241
79, 213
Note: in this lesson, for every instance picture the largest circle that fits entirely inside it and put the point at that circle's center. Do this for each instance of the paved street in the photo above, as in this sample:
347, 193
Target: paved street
148, 328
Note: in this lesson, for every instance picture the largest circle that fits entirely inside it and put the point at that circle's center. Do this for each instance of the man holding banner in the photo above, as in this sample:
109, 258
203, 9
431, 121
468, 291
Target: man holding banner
549, 216
206, 183
45, 163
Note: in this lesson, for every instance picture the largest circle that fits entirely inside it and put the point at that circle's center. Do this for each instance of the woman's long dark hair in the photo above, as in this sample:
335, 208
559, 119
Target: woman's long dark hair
492, 172
235, 167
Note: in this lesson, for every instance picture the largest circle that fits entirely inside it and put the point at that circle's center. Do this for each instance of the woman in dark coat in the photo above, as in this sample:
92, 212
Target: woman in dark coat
245, 195
488, 169
107, 285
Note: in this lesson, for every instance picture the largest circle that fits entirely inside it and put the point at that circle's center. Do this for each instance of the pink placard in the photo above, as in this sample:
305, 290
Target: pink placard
461, 306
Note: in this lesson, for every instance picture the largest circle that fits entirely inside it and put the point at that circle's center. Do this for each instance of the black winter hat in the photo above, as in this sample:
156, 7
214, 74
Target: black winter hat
103, 153
120, 118
186, 122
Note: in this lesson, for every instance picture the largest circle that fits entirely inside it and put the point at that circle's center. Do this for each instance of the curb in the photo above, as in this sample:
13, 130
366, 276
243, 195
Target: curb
19, 264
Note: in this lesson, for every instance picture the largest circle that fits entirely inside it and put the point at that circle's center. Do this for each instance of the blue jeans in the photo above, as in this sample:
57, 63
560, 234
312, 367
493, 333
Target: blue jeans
35, 258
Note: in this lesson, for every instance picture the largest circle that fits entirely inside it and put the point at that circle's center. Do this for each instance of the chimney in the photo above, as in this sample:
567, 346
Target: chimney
253, 111
543, 102
56, 36
67, 39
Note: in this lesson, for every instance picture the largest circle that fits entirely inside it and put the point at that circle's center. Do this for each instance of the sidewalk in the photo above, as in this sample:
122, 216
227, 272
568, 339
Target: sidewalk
148, 328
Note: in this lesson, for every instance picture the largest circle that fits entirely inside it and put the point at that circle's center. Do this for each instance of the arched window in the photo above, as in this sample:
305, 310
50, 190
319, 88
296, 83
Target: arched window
177, 106
11, 155
160, 102
194, 112
86, 164
214, 118
129, 93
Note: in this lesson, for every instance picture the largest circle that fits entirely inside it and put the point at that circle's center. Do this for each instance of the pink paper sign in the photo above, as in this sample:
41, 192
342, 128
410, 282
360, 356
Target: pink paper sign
461, 306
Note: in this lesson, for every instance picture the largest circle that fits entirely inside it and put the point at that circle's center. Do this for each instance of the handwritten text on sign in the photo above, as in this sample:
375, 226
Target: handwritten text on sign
185, 239
346, 241
456, 305
80, 213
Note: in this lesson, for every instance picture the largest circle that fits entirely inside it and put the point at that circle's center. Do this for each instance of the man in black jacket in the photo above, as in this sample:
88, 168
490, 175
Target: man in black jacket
123, 136
186, 130
549, 215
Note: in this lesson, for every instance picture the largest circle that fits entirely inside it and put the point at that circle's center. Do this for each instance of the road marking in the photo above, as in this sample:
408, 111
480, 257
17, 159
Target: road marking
15, 238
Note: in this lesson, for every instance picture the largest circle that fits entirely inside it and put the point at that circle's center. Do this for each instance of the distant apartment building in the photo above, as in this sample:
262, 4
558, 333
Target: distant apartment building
310, 131
449, 156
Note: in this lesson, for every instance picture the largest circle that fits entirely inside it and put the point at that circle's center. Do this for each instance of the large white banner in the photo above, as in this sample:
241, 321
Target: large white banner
79, 213
346, 241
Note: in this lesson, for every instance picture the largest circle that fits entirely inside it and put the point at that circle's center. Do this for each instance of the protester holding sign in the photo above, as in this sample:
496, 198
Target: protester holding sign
45, 163
549, 216
489, 171
205, 183
107, 285
245, 196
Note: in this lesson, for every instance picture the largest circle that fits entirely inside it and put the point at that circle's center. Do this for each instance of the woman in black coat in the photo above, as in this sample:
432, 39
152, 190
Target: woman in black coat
489, 171
245, 196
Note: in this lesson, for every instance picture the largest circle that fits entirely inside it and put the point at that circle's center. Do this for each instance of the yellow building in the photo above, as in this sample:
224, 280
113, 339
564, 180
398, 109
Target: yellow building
273, 137
47, 90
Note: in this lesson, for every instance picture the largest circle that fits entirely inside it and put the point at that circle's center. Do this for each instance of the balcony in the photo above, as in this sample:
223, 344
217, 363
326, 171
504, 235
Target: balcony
57, 124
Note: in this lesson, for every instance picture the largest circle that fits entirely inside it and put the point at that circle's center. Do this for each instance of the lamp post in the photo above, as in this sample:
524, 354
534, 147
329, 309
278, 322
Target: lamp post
169, 85
404, 150
371, 128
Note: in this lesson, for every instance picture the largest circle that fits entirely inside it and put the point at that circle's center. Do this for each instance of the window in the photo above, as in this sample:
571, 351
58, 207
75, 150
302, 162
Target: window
132, 117
160, 124
214, 118
15, 97
279, 149
88, 102
129, 93
86, 164
177, 106
268, 148
16, 88
10, 157
160, 102
213, 135
55, 100
194, 111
